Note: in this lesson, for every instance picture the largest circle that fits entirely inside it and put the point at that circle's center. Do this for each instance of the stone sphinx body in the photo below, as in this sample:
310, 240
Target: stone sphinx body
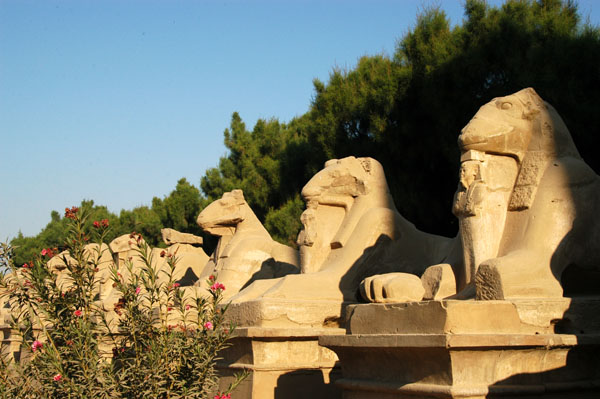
526, 204
122, 255
245, 251
351, 230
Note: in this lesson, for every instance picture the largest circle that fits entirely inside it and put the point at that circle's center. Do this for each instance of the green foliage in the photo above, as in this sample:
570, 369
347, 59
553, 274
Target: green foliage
180, 209
141, 219
249, 165
284, 223
349, 115
261, 163
163, 344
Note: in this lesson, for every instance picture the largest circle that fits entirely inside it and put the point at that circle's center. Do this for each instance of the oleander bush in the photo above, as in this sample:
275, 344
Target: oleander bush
148, 338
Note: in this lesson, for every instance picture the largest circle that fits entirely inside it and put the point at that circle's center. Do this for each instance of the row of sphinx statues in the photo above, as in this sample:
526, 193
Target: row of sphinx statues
526, 205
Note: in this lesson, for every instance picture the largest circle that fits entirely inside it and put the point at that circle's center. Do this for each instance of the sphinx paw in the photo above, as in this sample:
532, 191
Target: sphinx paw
392, 287
439, 282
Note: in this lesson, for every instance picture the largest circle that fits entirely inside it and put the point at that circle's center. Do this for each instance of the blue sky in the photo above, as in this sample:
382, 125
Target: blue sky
116, 100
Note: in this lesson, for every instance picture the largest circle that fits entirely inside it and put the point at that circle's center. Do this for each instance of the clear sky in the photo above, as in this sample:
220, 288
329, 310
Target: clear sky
116, 100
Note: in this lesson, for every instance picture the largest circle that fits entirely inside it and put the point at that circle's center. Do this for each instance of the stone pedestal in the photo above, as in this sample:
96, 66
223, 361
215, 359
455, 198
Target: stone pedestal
470, 349
278, 342
283, 364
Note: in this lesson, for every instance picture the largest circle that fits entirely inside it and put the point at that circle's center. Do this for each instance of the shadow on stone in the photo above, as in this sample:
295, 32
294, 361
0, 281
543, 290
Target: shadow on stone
301, 385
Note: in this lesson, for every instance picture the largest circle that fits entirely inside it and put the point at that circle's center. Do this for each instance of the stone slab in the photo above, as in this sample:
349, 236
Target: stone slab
280, 313
456, 341
283, 363
528, 316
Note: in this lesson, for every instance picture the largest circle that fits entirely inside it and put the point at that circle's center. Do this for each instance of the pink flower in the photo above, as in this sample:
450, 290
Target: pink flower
208, 325
216, 287
70, 213
187, 307
137, 290
116, 351
36, 345
175, 285
78, 312
48, 252
101, 223
57, 377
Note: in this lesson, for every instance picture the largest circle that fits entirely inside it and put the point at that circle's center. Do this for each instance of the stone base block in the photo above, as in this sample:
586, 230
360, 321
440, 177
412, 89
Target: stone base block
526, 316
470, 349
280, 313
284, 363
